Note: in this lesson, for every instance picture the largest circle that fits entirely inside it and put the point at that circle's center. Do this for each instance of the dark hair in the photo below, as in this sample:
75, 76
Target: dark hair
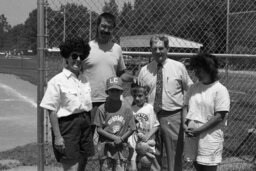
136, 86
76, 44
160, 37
109, 17
207, 62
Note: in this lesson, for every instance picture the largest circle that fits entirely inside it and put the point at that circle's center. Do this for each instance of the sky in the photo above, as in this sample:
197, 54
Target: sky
17, 11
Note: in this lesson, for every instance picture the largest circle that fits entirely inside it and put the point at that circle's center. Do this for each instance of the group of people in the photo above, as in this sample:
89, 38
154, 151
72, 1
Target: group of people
86, 97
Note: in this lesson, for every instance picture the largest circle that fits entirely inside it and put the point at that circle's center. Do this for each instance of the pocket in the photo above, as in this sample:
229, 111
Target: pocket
87, 120
69, 91
69, 97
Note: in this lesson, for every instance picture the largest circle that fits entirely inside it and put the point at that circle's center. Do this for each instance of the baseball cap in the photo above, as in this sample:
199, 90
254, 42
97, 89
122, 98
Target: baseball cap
114, 83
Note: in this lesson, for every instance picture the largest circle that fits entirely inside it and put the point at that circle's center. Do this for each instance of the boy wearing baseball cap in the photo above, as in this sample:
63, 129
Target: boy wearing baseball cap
115, 123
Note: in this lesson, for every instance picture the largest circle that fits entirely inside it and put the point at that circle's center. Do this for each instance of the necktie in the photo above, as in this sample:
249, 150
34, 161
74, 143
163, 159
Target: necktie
159, 89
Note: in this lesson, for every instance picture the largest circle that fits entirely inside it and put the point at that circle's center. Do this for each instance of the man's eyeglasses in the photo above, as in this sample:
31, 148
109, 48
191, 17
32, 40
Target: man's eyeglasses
75, 56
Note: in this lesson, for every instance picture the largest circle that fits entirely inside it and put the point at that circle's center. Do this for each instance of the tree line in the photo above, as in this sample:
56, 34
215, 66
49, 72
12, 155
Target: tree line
202, 21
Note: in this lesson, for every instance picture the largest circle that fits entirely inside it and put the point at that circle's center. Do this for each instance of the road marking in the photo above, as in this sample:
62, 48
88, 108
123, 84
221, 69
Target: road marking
19, 95
8, 100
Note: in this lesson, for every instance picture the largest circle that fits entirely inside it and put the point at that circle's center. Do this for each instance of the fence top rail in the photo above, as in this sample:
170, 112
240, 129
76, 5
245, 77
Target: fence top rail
182, 55
189, 55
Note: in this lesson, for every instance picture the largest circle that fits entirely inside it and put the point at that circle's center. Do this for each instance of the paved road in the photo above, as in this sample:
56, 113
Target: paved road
17, 112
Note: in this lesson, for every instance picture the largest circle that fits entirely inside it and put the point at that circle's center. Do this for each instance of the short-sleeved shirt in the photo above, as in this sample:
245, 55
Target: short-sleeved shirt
117, 123
204, 100
66, 94
147, 120
100, 65
175, 81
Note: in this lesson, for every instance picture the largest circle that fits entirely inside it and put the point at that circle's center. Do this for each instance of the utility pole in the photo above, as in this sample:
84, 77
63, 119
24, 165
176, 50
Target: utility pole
64, 24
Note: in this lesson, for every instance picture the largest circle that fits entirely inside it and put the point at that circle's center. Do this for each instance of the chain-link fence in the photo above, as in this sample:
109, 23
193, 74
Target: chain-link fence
223, 27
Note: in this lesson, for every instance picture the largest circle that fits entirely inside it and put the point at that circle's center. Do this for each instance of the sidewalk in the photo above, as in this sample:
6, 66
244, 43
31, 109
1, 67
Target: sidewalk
17, 112
34, 168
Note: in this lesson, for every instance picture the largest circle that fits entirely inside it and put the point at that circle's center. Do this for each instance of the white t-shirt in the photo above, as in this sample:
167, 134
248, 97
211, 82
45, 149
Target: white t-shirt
147, 120
204, 100
66, 94
102, 63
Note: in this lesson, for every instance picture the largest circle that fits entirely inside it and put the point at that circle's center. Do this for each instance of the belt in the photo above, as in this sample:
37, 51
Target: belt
73, 116
166, 112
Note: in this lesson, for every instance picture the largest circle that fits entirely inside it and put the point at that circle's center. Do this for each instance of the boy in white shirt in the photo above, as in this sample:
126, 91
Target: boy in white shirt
142, 142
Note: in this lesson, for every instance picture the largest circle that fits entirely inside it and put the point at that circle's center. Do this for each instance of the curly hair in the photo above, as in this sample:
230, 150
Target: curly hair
207, 62
76, 44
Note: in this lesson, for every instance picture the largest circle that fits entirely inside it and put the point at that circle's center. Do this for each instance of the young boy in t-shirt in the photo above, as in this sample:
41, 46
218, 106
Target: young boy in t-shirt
142, 142
115, 123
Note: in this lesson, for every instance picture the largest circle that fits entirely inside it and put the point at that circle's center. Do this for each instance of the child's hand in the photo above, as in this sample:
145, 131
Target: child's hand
142, 137
118, 140
151, 143
193, 132
185, 127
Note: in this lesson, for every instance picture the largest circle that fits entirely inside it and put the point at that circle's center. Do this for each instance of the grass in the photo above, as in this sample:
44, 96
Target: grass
241, 118
27, 155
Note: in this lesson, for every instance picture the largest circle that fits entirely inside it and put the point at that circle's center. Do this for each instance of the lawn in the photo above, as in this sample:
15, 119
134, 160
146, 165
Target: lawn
242, 116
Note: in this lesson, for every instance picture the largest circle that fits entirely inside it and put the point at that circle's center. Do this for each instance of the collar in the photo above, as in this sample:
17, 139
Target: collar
165, 61
67, 73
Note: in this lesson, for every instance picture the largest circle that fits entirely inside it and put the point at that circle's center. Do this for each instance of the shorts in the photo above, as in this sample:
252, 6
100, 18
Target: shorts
191, 143
76, 132
210, 147
109, 150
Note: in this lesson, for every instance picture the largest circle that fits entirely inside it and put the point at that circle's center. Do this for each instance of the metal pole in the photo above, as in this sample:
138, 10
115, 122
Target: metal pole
46, 23
227, 36
40, 85
227, 41
64, 24
90, 28
46, 64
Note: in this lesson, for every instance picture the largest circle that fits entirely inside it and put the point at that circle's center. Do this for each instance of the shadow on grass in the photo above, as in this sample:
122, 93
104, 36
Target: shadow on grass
27, 156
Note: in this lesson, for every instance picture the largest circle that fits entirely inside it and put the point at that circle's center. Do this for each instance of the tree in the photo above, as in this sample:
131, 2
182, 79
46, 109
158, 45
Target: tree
31, 30
126, 20
111, 7
77, 22
16, 37
4, 29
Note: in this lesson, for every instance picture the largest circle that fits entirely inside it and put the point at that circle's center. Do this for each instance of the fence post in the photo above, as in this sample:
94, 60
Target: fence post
40, 84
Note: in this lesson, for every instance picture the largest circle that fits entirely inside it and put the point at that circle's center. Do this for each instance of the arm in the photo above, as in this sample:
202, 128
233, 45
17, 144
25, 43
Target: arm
59, 141
127, 135
106, 134
151, 133
183, 117
186, 80
126, 76
117, 139
131, 126
218, 117
222, 105
99, 121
